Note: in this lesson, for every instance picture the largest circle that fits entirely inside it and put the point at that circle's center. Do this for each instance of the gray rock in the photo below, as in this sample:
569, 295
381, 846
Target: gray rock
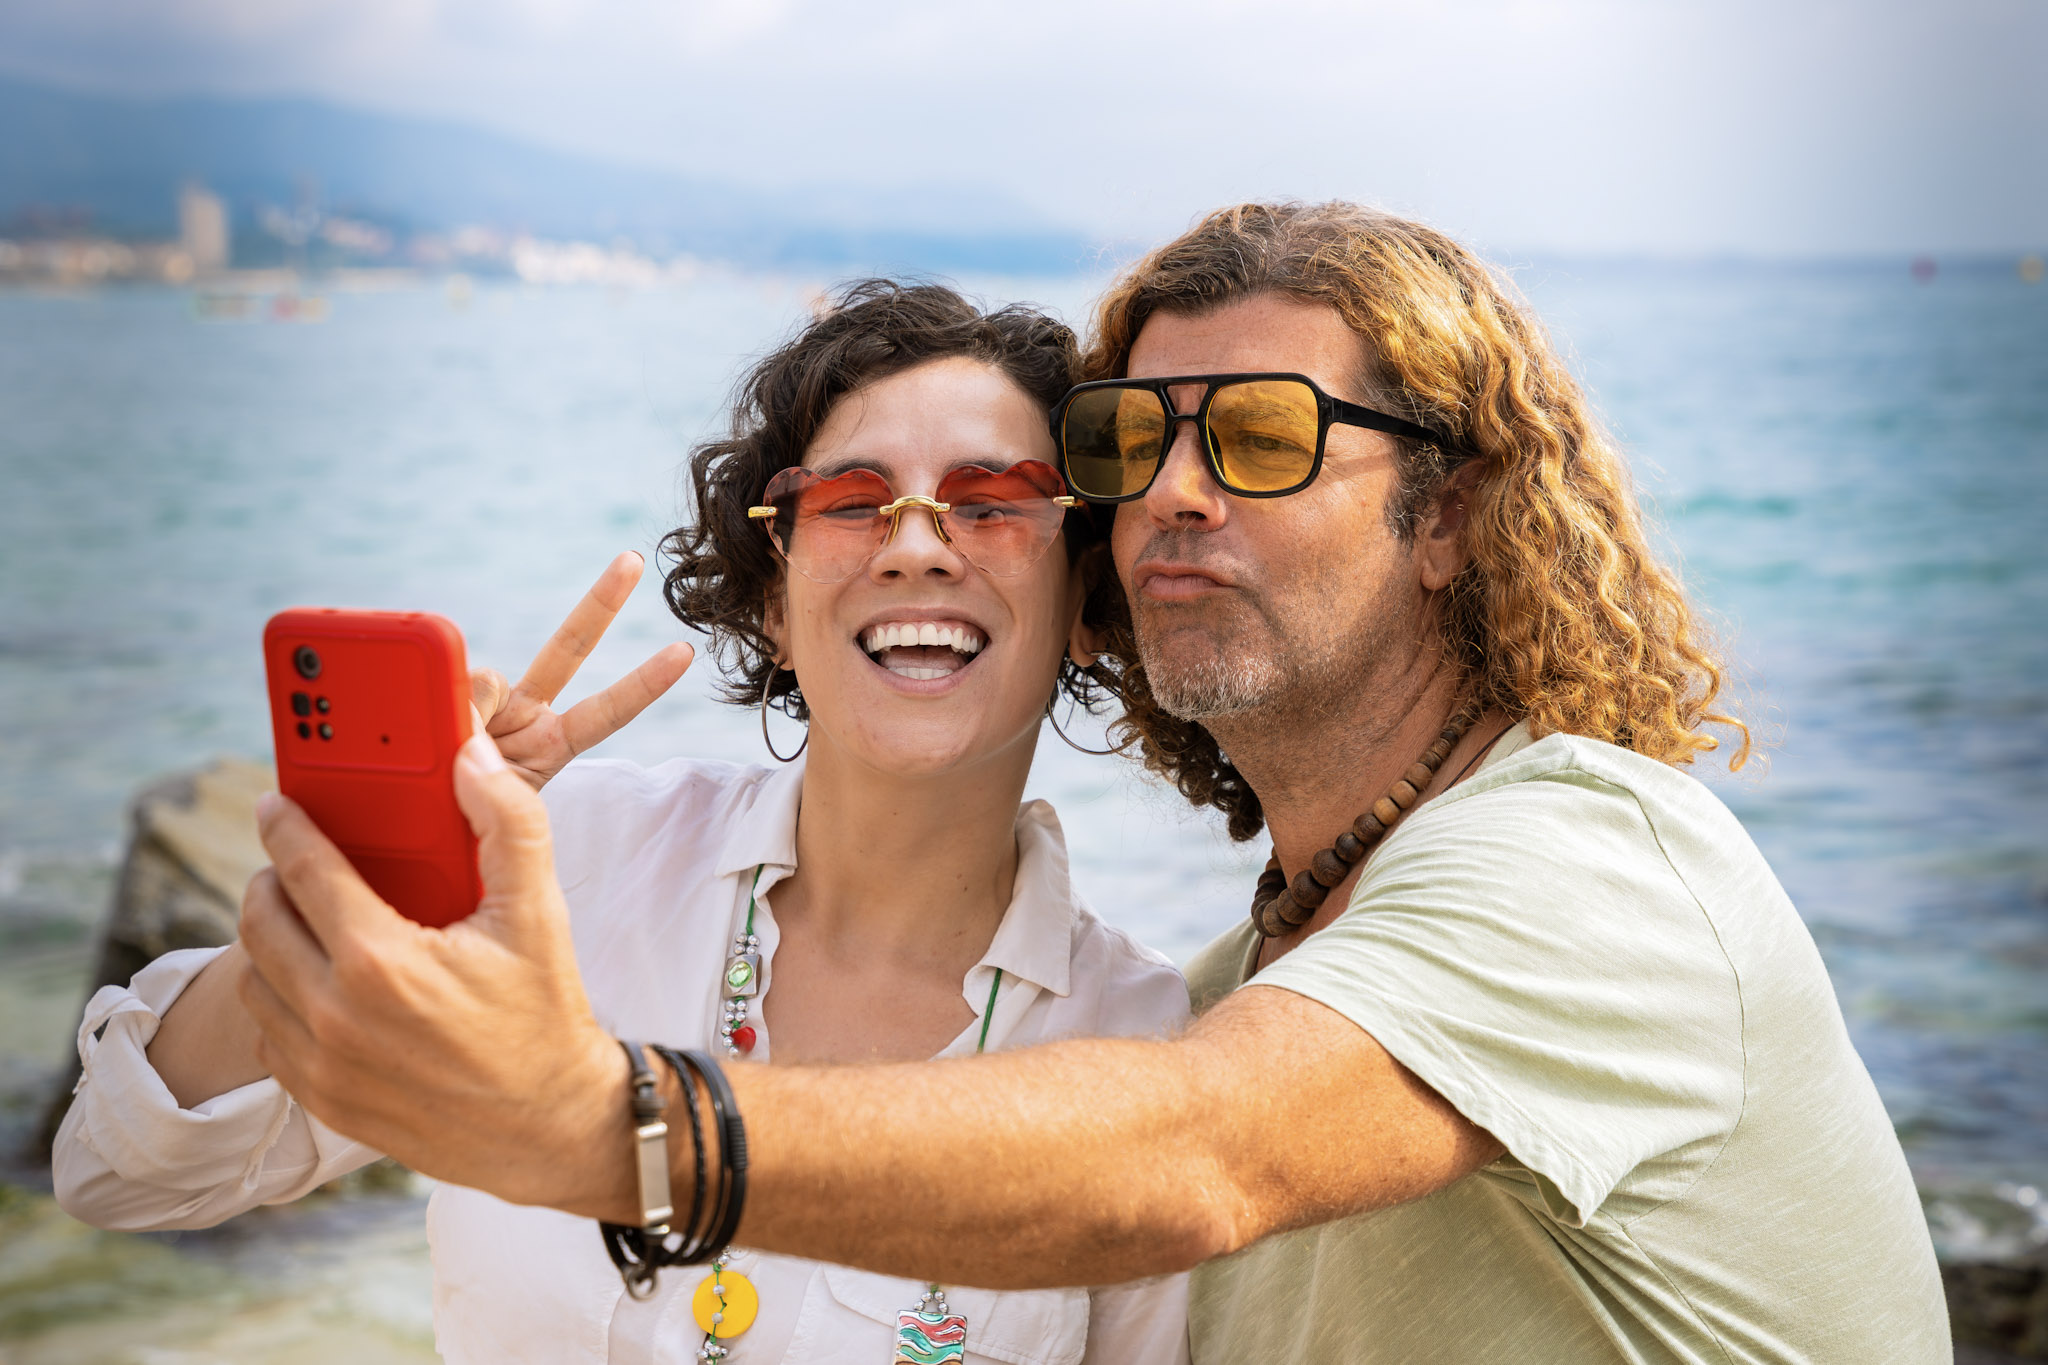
1999, 1309
192, 849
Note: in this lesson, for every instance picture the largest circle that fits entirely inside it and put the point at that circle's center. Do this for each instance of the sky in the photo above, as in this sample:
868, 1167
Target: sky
1740, 127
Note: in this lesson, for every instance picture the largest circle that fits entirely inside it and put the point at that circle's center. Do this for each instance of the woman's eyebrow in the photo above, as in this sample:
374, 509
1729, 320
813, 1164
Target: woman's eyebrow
996, 461
834, 468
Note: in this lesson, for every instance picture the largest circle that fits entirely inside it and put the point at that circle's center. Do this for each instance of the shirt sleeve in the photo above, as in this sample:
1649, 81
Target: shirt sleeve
1139, 1323
128, 1158
1530, 953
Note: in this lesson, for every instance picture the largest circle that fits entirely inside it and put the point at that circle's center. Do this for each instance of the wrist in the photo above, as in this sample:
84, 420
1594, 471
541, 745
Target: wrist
591, 1170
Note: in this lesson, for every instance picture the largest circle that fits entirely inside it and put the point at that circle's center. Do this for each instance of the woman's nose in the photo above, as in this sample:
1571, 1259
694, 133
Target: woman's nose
916, 544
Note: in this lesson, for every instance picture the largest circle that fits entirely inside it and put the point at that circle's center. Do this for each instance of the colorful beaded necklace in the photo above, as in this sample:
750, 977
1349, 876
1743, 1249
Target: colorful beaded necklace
726, 1303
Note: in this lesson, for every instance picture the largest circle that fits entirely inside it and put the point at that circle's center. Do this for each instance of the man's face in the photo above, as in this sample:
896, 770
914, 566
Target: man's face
1281, 604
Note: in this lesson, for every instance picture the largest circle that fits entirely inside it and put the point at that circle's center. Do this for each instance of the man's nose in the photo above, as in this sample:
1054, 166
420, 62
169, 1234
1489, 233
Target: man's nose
1184, 493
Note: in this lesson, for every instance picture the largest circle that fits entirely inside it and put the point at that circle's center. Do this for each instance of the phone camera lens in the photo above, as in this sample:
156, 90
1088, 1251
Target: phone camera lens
324, 705
305, 730
326, 731
307, 660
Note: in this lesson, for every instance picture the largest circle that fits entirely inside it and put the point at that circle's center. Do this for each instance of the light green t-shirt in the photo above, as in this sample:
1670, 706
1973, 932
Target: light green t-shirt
1582, 951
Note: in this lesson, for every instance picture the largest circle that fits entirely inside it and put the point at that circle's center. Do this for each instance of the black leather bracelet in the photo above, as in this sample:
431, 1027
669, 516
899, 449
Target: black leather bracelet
689, 1228
732, 1145
637, 1251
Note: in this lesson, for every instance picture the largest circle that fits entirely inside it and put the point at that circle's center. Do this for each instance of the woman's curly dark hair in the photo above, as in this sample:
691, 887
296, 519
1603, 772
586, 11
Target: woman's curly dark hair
721, 569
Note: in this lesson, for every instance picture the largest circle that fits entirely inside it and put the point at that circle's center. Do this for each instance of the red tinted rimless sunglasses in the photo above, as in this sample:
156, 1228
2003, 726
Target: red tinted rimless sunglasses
1000, 521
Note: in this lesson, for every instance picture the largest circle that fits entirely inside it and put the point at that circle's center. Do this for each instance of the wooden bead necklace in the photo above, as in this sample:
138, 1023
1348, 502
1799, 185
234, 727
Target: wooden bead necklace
1279, 905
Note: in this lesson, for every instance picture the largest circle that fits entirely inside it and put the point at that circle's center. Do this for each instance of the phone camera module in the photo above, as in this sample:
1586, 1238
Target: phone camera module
307, 660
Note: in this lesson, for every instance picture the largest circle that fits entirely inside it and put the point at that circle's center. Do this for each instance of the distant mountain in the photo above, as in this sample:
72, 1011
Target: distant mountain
121, 160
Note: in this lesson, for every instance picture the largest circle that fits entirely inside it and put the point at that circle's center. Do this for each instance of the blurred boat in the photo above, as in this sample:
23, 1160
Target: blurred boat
211, 307
298, 308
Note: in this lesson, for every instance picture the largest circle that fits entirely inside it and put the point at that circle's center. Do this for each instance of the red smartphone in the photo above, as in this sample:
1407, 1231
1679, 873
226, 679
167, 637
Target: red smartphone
369, 709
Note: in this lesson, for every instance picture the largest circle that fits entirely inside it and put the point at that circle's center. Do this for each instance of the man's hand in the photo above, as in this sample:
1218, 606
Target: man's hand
535, 740
469, 1053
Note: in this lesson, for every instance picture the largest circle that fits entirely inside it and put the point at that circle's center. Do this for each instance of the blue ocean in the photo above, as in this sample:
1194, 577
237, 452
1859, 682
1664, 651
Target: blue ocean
1849, 465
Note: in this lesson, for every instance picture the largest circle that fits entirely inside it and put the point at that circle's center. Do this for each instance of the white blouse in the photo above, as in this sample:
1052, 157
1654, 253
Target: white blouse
656, 865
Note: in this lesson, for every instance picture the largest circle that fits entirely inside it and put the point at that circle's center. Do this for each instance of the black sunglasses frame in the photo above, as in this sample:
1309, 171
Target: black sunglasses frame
1330, 411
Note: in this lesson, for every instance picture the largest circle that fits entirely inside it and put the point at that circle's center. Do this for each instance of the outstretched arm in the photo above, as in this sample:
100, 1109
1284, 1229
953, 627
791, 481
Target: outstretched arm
1099, 1160
471, 1054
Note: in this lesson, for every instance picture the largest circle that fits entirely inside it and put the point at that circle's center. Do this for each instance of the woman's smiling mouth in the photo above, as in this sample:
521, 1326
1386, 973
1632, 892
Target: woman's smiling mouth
922, 650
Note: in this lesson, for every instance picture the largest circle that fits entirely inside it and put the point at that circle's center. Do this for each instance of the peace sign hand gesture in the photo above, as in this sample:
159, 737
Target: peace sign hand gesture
536, 741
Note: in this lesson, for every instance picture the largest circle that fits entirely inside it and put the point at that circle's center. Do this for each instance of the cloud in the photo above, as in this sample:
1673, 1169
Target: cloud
1590, 125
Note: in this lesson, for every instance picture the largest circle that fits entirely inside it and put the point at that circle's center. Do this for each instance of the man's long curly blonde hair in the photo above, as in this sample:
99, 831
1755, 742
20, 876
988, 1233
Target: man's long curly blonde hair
1563, 615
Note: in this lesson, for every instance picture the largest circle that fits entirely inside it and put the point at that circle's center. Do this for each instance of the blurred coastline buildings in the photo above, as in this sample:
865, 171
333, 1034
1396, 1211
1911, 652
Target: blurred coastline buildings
42, 247
234, 195
202, 229
246, 193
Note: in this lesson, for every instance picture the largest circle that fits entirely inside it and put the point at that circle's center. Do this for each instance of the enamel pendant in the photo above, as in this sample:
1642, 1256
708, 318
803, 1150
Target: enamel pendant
930, 1334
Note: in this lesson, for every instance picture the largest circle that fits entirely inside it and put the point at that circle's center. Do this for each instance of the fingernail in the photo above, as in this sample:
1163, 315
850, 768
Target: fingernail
482, 755
267, 804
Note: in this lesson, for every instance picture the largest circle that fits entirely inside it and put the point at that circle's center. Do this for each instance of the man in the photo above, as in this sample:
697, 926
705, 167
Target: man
1552, 1073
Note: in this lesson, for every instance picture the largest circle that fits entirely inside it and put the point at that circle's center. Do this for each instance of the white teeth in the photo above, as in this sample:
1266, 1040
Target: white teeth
960, 639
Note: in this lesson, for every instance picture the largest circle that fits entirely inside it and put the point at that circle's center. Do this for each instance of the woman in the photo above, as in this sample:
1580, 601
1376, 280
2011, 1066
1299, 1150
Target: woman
884, 552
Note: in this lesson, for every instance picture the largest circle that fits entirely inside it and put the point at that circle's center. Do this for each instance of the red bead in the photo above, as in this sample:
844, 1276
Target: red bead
743, 1037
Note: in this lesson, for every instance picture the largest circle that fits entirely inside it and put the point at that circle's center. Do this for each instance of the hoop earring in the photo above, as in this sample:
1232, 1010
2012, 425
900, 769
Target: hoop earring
1055, 721
768, 683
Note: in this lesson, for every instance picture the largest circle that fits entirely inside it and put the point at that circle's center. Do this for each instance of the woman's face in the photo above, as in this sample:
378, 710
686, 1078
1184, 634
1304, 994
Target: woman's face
926, 709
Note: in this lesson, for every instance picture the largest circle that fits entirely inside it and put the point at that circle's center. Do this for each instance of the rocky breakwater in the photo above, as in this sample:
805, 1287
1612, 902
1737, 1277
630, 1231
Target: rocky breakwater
1999, 1309
192, 849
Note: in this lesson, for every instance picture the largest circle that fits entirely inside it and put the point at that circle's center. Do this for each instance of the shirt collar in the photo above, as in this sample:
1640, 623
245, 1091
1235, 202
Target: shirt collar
762, 830
1035, 941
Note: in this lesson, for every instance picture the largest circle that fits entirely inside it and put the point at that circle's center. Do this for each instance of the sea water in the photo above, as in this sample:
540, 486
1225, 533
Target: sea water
1849, 466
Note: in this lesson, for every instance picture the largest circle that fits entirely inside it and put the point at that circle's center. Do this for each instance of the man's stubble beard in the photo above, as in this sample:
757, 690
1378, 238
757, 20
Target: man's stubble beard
1221, 672
1249, 664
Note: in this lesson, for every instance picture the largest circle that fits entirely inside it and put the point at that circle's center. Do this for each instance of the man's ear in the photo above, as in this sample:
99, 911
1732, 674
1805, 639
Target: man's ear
1085, 642
1440, 540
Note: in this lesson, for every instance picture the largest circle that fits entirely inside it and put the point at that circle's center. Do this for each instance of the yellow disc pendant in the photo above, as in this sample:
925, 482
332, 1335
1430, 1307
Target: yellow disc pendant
739, 1304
